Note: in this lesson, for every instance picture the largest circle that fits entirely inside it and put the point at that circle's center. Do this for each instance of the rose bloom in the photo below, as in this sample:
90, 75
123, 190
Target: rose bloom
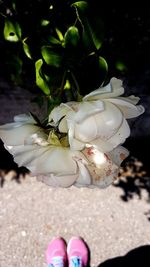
100, 119
87, 150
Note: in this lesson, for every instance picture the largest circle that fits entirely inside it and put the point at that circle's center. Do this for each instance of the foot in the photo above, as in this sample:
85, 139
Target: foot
56, 253
77, 253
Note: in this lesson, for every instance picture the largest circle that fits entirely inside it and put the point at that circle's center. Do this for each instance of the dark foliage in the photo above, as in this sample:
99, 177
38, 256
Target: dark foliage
125, 46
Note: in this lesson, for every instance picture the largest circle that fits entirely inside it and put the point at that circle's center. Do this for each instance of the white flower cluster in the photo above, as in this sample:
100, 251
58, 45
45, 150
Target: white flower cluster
87, 151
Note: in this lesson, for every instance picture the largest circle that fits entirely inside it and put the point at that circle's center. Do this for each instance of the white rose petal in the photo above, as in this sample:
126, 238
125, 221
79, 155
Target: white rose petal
118, 155
113, 89
58, 112
24, 118
84, 177
118, 138
131, 99
58, 181
102, 125
129, 110
14, 134
49, 159
100, 166
63, 127
87, 109
74, 143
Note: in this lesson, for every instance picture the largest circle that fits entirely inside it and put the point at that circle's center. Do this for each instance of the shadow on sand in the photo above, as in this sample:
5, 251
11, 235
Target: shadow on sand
138, 257
7, 164
135, 176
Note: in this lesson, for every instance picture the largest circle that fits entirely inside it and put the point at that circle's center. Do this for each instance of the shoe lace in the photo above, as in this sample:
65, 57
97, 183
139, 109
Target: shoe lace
76, 261
56, 262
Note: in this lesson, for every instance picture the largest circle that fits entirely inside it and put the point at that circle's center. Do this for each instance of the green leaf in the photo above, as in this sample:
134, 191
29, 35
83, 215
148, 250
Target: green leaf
45, 22
26, 49
51, 7
14, 6
92, 33
92, 27
40, 81
82, 5
51, 57
121, 66
53, 40
71, 36
67, 85
103, 64
12, 31
59, 34
103, 69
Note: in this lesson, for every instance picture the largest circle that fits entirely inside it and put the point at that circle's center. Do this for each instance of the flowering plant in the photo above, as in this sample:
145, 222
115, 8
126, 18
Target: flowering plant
80, 144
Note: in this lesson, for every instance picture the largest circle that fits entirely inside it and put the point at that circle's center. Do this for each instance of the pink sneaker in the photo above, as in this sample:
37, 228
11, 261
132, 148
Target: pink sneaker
56, 253
78, 254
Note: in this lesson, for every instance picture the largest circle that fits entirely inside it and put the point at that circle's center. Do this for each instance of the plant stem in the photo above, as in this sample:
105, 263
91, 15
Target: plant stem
79, 97
62, 84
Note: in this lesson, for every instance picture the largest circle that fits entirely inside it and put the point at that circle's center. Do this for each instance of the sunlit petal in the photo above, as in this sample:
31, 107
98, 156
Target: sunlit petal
101, 168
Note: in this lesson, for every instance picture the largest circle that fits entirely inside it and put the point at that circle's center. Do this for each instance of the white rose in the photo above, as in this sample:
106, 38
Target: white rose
46, 157
99, 120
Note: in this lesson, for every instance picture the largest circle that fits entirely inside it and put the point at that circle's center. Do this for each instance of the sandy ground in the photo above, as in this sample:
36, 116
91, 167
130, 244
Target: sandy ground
31, 214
